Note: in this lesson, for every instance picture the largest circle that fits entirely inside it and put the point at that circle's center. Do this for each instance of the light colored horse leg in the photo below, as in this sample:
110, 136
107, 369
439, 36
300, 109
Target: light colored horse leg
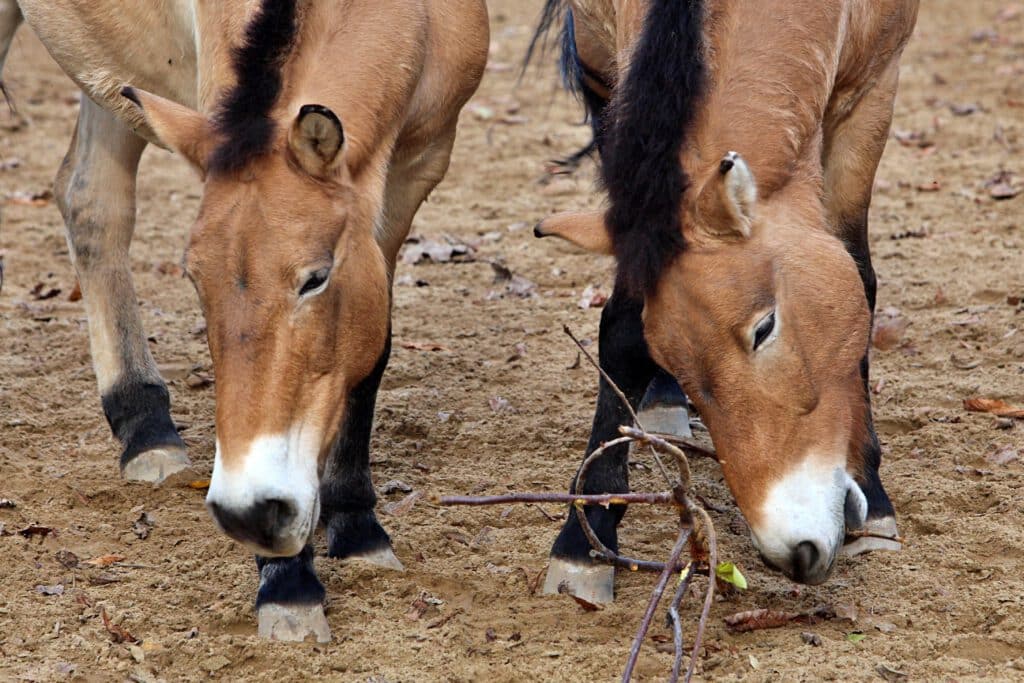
95, 189
853, 150
10, 20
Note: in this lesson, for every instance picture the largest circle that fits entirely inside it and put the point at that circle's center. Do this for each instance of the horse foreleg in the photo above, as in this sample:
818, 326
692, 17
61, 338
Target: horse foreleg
95, 189
10, 20
623, 355
853, 150
346, 492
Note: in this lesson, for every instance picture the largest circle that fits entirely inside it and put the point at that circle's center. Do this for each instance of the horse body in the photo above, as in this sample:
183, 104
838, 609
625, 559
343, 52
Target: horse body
318, 129
746, 276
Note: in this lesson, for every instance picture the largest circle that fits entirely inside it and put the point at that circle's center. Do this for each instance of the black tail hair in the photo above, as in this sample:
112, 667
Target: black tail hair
243, 119
571, 69
651, 111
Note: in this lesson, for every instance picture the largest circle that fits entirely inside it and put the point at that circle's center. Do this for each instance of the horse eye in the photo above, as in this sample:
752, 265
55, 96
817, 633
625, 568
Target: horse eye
316, 281
764, 329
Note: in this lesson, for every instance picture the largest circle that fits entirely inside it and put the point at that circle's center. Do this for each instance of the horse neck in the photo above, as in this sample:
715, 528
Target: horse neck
770, 75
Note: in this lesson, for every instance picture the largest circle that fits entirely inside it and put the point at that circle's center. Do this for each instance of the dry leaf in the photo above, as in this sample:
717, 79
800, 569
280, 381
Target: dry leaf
592, 298
759, 619
142, 526
37, 530
198, 380
587, 606
500, 405
104, 560
401, 507
67, 558
117, 632
811, 638
417, 609
395, 485
1003, 455
42, 291
993, 406
419, 250
41, 198
423, 346
846, 611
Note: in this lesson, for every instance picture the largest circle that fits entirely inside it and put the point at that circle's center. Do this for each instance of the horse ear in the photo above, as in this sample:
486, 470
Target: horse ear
726, 204
585, 229
316, 139
177, 127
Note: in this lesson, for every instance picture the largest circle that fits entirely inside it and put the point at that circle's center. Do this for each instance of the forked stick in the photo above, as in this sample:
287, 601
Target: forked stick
701, 538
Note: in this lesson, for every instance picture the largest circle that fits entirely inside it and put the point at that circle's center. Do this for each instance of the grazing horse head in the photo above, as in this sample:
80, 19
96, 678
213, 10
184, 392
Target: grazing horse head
295, 292
763, 320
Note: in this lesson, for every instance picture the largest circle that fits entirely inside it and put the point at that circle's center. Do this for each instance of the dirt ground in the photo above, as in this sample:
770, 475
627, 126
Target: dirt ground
950, 260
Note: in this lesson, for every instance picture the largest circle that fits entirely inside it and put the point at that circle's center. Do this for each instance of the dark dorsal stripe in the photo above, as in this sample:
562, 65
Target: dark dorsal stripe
243, 117
651, 110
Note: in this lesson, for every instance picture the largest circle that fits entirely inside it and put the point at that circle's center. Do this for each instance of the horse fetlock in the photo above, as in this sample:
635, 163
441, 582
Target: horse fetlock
355, 534
139, 415
293, 623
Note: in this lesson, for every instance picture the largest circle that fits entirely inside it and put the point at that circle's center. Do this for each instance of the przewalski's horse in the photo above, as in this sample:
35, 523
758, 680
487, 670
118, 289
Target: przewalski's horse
738, 144
318, 129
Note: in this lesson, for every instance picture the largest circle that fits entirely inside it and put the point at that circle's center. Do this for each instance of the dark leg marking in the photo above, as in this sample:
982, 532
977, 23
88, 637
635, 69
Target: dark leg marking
139, 415
347, 497
290, 599
624, 356
881, 517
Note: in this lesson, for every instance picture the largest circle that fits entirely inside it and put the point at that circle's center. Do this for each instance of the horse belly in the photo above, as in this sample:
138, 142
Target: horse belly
103, 45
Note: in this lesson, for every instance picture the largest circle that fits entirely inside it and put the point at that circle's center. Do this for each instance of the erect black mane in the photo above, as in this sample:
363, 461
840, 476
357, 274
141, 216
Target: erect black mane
243, 117
651, 110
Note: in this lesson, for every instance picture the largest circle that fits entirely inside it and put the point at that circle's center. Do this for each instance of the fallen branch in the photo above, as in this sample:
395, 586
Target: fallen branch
695, 526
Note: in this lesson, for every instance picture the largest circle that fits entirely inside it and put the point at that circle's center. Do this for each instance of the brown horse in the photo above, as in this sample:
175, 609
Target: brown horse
738, 145
317, 129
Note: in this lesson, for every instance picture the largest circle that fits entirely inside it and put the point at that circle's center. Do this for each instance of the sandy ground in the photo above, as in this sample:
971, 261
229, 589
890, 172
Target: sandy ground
950, 260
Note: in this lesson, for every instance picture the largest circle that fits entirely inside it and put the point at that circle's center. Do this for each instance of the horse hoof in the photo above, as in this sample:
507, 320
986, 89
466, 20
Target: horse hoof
156, 465
591, 582
661, 419
293, 623
883, 526
379, 557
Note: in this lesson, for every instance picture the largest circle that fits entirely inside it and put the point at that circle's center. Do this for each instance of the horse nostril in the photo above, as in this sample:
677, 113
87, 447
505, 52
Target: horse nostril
261, 523
853, 509
276, 514
805, 557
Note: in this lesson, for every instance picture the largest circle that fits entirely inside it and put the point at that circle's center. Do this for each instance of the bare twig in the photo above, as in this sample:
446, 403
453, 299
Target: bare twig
708, 528
652, 604
612, 384
677, 622
622, 397
604, 499
695, 525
